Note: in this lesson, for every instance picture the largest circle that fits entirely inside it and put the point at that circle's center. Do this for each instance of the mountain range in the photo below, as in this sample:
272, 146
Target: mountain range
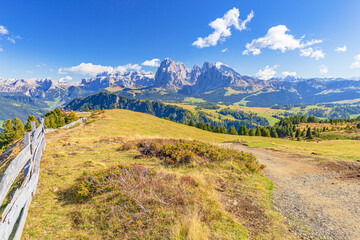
174, 81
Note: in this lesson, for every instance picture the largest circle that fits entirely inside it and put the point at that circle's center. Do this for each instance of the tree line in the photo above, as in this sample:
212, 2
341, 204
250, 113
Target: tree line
57, 119
287, 127
13, 130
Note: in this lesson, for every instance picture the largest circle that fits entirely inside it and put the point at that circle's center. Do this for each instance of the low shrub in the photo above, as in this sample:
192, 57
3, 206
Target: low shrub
178, 152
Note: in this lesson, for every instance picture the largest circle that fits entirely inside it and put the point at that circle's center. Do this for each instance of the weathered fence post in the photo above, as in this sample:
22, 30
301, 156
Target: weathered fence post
29, 160
26, 142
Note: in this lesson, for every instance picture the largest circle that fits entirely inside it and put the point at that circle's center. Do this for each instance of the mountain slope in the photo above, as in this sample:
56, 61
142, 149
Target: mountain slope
205, 193
104, 100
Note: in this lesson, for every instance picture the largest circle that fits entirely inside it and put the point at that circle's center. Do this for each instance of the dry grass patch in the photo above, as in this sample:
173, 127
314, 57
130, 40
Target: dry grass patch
129, 201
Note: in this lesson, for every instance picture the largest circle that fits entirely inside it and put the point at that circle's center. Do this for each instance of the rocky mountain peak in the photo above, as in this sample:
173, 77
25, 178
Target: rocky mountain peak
206, 66
171, 75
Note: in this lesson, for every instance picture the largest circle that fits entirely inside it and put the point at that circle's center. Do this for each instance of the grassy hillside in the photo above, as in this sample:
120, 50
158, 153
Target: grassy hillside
131, 125
75, 201
266, 113
214, 198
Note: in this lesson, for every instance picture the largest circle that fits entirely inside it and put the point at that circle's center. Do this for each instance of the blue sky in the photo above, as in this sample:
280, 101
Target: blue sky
37, 38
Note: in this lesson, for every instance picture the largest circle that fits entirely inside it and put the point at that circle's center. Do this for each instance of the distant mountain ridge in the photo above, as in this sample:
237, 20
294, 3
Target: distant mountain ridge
220, 83
122, 79
174, 81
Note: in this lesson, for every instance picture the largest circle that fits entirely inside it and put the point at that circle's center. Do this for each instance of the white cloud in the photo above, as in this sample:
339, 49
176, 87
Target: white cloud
222, 27
29, 71
152, 63
341, 49
67, 78
324, 69
266, 73
291, 74
356, 63
93, 70
313, 53
3, 30
277, 38
1, 49
11, 39
225, 50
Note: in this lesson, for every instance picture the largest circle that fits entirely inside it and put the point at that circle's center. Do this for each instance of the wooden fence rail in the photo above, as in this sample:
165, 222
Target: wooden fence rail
14, 215
80, 120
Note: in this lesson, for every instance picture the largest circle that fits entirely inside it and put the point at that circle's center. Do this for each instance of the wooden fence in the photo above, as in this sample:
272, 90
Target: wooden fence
14, 215
80, 120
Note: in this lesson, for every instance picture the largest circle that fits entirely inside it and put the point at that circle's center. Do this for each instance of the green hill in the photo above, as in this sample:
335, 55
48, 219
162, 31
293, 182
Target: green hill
175, 190
105, 100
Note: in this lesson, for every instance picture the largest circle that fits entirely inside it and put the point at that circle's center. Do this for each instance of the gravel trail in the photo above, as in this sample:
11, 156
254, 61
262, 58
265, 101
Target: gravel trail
318, 198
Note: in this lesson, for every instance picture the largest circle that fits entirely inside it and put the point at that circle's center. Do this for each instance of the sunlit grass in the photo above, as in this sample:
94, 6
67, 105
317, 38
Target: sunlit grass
96, 146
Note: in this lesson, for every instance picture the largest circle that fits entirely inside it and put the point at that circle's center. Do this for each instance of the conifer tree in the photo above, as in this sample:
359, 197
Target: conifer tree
241, 130
308, 134
7, 132
258, 131
246, 131
19, 128
273, 133
291, 133
71, 117
303, 133
191, 123
265, 132
232, 130
252, 132
223, 130
30, 119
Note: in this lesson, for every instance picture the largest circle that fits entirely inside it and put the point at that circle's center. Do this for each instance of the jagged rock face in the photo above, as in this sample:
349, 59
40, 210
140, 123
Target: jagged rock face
171, 75
127, 79
219, 76
29, 87
194, 74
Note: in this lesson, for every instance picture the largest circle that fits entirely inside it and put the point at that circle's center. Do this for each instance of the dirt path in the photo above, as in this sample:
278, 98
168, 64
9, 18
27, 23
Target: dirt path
318, 198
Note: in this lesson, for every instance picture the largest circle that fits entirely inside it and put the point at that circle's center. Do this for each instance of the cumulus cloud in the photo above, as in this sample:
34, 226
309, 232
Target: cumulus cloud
222, 28
266, 73
324, 69
341, 49
64, 79
3, 30
356, 63
291, 74
225, 50
277, 38
93, 70
152, 63
313, 53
